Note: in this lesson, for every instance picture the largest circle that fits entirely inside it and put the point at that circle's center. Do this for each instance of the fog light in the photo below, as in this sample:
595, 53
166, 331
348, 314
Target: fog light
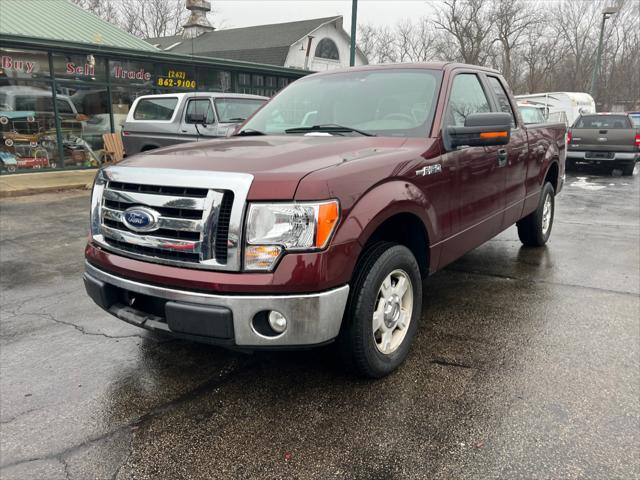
277, 321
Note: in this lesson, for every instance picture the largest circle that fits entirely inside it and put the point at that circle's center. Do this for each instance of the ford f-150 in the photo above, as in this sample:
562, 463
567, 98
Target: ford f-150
319, 219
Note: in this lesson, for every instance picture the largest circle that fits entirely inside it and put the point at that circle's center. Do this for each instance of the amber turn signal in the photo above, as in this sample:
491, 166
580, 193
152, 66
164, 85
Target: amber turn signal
328, 215
502, 134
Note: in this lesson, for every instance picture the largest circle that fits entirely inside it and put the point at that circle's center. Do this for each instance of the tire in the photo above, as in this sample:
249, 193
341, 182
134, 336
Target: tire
627, 170
373, 352
534, 230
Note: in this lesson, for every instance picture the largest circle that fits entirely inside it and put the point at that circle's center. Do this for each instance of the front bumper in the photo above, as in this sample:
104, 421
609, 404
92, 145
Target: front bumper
219, 319
589, 157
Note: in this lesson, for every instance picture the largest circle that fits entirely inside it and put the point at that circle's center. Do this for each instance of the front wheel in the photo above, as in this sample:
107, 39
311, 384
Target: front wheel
383, 311
534, 230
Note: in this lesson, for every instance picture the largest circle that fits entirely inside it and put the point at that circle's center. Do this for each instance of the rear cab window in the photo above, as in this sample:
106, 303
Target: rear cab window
612, 122
155, 109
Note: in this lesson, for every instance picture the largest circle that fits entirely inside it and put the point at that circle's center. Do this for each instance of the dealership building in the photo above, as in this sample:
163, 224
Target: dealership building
68, 77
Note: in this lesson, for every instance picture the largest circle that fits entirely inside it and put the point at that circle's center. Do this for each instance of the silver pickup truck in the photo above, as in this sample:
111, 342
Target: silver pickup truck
604, 138
160, 120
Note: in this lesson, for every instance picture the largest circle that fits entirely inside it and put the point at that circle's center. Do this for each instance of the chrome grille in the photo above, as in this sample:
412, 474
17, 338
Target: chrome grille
199, 215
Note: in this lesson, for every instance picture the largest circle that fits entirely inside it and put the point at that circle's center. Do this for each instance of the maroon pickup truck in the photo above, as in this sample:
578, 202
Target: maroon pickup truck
318, 221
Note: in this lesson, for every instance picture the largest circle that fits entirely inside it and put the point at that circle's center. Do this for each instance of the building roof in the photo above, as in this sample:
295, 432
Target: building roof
64, 21
263, 43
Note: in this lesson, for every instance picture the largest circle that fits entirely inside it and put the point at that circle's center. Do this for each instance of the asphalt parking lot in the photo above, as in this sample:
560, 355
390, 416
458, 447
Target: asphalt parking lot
526, 365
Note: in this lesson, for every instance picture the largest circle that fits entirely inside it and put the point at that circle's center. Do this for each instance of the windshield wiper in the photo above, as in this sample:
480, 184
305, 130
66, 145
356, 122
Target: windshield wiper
329, 128
235, 119
248, 132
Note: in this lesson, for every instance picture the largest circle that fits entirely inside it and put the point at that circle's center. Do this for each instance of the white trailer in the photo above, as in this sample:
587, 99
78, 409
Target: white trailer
561, 106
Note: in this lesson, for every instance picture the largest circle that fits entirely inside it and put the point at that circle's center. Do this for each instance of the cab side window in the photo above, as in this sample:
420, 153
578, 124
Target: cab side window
200, 106
503, 98
467, 97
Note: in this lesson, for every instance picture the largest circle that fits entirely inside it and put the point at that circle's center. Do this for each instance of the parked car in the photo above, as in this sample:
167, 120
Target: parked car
559, 106
317, 221
604, 138
531, 114
161, 120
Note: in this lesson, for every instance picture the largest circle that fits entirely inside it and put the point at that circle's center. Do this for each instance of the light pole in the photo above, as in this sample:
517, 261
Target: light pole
354, 25
606, 13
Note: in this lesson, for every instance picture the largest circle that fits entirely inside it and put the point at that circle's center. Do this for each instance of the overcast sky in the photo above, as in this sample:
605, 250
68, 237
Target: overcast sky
242, 13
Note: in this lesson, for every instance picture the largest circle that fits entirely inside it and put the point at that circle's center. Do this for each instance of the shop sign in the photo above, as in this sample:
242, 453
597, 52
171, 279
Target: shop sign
10, 63
120, 73
176, 79
86, 70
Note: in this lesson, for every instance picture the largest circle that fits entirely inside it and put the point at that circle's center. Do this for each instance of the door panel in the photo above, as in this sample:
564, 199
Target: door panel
517, 156
202, 106
480, 174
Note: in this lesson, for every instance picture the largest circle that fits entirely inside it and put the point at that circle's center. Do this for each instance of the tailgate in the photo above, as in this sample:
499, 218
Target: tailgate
603, 140
603, 132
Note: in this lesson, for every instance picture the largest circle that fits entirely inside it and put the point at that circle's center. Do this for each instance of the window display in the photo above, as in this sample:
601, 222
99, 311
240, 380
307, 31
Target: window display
56, 106
82, 131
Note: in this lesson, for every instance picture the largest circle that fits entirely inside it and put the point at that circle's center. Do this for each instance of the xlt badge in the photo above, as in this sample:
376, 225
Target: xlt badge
429, 170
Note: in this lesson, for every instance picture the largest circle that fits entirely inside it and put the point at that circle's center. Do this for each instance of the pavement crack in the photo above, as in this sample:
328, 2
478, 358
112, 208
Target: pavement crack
449, 363
126, 460
546, 282
203, 388
82, 329
15, 417
65, 465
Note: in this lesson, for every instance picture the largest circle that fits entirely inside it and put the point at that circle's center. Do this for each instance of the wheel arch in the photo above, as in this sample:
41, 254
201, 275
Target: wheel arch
397, 212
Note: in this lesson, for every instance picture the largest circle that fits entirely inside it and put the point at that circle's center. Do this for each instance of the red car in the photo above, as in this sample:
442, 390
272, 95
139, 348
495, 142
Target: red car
32, 162
319, 219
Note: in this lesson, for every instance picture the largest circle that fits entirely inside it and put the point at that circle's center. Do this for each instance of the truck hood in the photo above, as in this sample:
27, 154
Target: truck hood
278, 163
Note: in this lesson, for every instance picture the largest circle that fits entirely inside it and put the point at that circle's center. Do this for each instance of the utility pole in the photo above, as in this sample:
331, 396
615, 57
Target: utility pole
354, 25
606, 13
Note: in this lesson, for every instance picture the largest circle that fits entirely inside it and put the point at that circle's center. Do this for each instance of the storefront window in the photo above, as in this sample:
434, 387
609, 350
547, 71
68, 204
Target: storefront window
213, 80
82, 129
282, 82
244, 83
27, 123
84, 68
93, 96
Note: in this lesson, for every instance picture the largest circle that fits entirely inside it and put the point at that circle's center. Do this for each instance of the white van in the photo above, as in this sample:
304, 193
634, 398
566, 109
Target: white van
563, 107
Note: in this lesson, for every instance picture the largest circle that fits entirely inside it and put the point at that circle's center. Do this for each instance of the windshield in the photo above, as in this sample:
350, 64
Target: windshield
232, 110
380, 102
531, 115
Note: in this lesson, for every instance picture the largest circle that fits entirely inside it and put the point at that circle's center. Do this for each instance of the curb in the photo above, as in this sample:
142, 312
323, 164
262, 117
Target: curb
36, 190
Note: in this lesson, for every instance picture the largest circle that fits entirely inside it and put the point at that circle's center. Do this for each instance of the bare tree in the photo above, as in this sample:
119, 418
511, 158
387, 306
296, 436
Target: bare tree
513, 19
469, 25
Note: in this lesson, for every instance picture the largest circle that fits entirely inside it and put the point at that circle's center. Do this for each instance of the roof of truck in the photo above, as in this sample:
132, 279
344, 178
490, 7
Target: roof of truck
408, 66
206, 94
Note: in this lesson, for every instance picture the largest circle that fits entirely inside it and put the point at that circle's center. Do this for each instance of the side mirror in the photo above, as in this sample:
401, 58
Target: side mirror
480, 130
197, 118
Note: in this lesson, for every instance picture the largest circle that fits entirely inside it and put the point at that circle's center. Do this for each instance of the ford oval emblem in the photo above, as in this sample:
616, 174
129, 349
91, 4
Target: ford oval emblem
140, 219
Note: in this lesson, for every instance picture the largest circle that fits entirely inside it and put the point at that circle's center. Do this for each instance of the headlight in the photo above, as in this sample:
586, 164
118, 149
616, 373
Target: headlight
96, 199
277, 227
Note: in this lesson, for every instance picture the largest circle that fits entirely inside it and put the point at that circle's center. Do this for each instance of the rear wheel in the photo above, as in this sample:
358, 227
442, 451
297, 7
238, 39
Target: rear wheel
534, 230
383, 311
627, 169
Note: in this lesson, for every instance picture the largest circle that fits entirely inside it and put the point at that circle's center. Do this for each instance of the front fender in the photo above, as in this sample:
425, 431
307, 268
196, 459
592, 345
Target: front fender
379, 205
